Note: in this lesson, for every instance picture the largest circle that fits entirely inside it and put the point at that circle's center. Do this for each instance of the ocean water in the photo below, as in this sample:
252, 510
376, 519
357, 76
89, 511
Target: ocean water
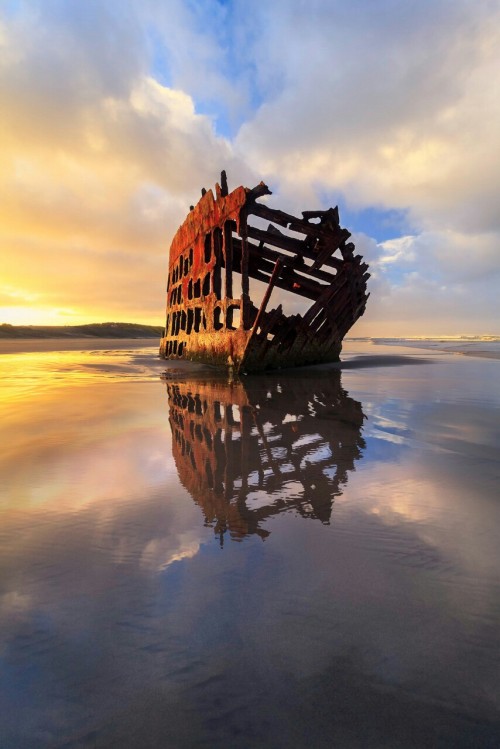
487, 347
308, 558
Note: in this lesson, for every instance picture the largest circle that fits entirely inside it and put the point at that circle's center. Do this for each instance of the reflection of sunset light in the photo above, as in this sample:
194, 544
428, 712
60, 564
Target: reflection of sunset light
43, 371
86, 446
73, 431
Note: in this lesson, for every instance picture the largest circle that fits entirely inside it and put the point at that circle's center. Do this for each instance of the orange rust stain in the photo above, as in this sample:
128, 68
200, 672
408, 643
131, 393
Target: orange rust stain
206, 215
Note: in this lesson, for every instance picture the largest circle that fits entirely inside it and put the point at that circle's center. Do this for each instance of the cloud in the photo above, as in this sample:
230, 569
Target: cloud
394, 104
111, 122
100, 162
395, 107
447, 254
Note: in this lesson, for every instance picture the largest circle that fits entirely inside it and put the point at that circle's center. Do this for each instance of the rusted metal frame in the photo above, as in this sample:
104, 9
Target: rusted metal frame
317, 325
305, 335
291, 273
293, 343
302, 226
272, 214
318, 231
245, 281
292, 280
324, 299
347, 251
257, 268
329, 331
287, 334
223, 184
341, 305
256, 192
217, 254
269, 324
227, 249
324, 253
282, 284
294, 261
297, 246
279, 341
344, 311
254, 262
330, 212
274, 277
271, 321
276, 238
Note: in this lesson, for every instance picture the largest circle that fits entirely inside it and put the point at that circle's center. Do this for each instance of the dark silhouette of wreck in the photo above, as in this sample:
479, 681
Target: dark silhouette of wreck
247, 450
216, 249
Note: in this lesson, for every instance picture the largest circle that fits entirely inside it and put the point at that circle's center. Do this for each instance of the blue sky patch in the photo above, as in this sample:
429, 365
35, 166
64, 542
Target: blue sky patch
379, 223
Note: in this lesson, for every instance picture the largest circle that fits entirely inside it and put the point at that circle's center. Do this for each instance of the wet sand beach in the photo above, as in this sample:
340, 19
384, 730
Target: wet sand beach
307, 558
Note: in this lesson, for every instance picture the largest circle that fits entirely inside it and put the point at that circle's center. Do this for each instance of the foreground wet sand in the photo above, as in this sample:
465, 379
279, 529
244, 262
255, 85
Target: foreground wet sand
307, 558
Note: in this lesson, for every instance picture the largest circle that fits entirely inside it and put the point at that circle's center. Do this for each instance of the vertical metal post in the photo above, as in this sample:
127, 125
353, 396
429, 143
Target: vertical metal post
245, 284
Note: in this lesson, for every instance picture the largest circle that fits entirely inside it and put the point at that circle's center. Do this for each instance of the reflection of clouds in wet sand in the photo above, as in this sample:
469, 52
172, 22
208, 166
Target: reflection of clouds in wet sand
81, 631
123, 623
90, 514
246, 450
74, 448
75, 464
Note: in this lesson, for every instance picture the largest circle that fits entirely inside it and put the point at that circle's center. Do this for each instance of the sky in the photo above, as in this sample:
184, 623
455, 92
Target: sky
115, 114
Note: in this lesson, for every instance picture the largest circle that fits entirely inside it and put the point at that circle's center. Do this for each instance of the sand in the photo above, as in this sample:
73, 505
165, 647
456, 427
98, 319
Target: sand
315, 566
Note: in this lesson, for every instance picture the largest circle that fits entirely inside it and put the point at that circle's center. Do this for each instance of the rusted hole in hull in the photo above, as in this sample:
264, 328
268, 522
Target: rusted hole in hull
208, 248
233, 318
206, 285
197, 319
218, 324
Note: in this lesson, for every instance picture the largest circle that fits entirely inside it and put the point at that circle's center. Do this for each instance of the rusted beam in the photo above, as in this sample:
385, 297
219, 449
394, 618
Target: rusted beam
272, 214
261, 269
223, 184
296, 224
297, 246
274, 277
228, 258
331, 213
293, 261
257, 192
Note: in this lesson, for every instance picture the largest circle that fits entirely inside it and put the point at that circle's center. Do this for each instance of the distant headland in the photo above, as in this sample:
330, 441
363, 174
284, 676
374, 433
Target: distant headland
94, 330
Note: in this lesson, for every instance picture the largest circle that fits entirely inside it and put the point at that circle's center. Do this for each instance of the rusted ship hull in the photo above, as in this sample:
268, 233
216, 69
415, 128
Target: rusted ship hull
216, 248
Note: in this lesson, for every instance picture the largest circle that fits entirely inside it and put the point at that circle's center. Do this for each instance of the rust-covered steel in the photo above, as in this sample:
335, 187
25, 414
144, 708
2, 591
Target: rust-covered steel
239, 445
217, 248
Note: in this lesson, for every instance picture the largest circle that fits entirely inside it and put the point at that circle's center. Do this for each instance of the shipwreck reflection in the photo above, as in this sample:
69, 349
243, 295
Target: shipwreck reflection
247, 450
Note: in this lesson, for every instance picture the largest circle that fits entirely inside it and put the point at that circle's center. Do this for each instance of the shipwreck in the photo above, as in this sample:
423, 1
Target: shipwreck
210, 315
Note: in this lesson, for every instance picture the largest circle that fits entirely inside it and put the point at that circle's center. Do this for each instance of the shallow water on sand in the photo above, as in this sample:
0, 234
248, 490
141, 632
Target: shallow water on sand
308, 558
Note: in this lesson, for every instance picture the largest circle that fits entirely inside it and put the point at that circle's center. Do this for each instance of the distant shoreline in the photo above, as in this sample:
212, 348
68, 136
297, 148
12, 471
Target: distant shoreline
92, 331
68, 343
